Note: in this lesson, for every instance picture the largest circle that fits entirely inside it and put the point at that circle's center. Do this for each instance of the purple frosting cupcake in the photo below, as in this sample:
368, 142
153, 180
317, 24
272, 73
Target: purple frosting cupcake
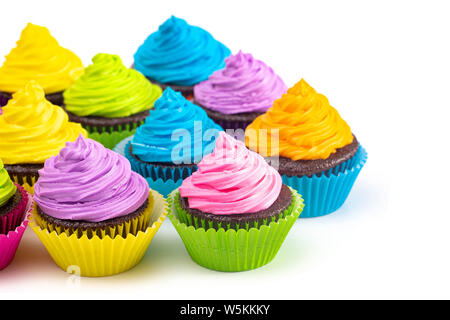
89, 187
233, 97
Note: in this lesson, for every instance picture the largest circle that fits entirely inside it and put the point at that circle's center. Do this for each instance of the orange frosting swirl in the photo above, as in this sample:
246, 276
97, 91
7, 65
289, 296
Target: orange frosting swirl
309, 128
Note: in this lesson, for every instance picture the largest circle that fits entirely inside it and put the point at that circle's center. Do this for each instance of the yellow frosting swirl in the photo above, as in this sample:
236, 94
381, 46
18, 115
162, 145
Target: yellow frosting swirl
308, 127
38, 56
32, 129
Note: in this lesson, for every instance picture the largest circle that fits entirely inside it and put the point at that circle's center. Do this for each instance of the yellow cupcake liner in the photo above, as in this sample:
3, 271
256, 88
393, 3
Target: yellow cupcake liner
133, 226
100, 257
26, 185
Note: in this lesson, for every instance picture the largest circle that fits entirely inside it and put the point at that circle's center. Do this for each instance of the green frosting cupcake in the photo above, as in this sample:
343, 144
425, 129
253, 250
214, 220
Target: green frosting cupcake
7, 187
109, 89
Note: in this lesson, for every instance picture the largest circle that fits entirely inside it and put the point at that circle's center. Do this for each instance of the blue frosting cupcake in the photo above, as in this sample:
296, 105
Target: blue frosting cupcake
176, 136
180, 55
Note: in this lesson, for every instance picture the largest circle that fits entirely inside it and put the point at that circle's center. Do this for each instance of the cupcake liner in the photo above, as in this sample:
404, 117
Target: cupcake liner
27, 186
133, 226
99, 257
163, 187
10, 242
11, 220
235, 250
163, 180
110, 138
328, 192
186, 218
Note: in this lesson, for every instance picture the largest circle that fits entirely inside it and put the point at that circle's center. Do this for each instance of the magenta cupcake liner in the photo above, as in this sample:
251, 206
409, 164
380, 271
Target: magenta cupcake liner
10, 242
11, 220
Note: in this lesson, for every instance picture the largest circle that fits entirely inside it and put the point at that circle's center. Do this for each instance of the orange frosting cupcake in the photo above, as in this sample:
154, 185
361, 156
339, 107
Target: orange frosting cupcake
301, 125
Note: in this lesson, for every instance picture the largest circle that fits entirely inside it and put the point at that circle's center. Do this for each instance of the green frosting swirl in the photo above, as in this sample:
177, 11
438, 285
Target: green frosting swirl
7, 187
109, 89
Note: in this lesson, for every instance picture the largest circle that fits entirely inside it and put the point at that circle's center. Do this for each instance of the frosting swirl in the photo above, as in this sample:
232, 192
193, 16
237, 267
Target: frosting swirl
32, 129
38, 56
7, 187
87, 182
109, 89
232, 180
309, 127
245, 85
180, 54
173, 119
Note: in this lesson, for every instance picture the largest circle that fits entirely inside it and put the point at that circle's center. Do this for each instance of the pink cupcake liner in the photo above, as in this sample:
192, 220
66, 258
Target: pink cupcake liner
10, 242
11, 220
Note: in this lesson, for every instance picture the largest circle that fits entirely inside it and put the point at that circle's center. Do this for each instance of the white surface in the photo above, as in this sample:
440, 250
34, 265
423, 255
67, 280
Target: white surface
384, 65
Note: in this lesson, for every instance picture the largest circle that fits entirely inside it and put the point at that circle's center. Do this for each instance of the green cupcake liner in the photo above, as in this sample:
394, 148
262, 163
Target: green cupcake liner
111, 139
186, 218
233, 250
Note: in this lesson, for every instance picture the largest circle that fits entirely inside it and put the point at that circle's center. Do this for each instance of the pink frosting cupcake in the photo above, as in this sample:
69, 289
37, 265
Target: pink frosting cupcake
234, 212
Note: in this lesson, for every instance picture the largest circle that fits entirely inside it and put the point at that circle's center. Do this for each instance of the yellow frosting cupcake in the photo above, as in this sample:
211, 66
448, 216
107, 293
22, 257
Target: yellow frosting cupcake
31, 131
39, 57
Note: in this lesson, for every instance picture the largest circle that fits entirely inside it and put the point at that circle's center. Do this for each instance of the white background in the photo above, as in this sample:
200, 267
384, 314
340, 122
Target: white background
383, 64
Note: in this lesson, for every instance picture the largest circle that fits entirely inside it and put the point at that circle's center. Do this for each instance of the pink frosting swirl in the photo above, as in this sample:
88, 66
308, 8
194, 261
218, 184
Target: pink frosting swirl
232, 180
87, 182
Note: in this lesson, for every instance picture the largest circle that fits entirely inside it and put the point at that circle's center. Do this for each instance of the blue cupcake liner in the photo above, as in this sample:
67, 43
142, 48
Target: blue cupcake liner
326, 193
163, 180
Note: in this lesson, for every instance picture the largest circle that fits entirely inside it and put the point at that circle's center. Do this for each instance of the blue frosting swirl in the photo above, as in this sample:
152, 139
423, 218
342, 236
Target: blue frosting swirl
180, 54
176, 131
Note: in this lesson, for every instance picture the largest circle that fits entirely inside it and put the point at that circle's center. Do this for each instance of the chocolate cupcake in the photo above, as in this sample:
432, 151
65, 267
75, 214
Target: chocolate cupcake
233, 97
31, 131
88, 189
234, 196
180, 56
91, 210
13, 202
39, 57
173, 139
14, 216
110, 100
315, 149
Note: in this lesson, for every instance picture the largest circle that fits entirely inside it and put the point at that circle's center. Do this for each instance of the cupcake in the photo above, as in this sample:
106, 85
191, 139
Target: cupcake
110, 100
176, 136
233, 97
39, 57
234, 213
13, 218
317, 152
180, 56
92, 211
31, 131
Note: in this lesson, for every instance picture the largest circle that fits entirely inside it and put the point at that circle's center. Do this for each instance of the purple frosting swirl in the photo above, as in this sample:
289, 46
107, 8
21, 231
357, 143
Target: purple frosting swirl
87, 182
245, 85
